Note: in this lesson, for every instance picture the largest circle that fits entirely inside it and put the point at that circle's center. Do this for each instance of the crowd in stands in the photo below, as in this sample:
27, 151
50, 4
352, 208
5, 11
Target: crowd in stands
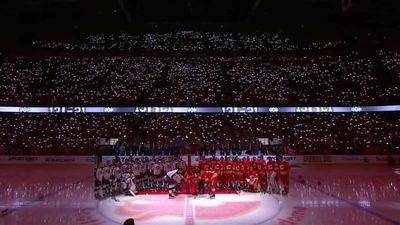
213, 81
188, 41
203, 134
391, 62
321, 78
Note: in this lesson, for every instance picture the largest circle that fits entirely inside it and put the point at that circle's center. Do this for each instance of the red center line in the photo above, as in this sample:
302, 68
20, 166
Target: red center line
189, 219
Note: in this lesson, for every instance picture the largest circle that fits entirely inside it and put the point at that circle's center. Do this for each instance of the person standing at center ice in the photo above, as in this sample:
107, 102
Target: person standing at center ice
284, 169
272, 173
172, 178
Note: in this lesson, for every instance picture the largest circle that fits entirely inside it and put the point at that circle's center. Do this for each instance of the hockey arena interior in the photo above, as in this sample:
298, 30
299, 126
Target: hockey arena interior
184, 112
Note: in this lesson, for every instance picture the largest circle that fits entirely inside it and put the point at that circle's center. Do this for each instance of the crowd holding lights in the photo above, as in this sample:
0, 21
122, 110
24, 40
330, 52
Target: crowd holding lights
214, 81
391, 62
58, 80
187, 41
203, 134
324, 78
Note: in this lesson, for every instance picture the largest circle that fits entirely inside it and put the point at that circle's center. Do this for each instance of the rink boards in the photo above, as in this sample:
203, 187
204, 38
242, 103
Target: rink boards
330, 195
193, 160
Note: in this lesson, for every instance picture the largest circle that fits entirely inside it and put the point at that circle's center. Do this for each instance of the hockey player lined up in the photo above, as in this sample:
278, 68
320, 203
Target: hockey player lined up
108, 180
253, 181
272, 176
216, 166
210, 181
128, 182
239, 169
98, 191
157, 174
138, 173
233, 174
107, 172
262, 174
145, 175
181, 164
116, 177
284, 169
147, 171
205, 164
172, 178
228, 174
191, 181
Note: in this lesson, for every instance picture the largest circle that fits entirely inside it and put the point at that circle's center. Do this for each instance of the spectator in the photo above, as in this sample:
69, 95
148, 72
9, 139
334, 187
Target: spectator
129, 221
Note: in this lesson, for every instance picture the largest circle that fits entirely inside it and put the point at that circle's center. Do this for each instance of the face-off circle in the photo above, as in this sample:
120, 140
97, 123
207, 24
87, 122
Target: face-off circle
225, 209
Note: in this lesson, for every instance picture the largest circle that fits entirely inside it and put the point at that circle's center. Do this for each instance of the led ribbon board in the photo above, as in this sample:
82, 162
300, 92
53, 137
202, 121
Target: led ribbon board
82, 109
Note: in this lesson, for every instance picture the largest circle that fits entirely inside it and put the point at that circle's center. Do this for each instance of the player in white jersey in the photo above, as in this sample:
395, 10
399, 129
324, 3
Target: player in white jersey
98, 190
157, 174
144, 171
128, 183
132, 185
99, 175
117, 178
172, 178
181, 165
107, 172
172, 166
169, 166
126, 166
137, 172
125, 182
150, 179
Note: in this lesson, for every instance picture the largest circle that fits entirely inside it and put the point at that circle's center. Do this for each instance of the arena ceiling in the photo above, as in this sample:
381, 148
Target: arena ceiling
125, 12
25, 20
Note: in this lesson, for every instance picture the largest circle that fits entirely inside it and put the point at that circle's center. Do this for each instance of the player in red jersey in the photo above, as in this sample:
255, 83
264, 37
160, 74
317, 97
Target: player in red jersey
216, 165
207, 164
229, 173
246, 167
210, 180
217, 168
221, 174
239, 169
272, 173
253, 182
276, 171
200, 164
284, 169
253, 163
196, 180
262, 174
189, 180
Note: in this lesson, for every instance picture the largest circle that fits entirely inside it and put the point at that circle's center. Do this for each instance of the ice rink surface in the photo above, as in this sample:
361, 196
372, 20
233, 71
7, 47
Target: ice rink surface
319, 195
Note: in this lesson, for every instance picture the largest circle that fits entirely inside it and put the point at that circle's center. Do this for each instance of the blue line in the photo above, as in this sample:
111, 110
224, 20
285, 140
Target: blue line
40, 198
102, 214
280, 205
389, 220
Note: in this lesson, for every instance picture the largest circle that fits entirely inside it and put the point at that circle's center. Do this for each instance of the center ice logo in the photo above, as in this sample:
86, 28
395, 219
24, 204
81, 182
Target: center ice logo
146, 210
151, 209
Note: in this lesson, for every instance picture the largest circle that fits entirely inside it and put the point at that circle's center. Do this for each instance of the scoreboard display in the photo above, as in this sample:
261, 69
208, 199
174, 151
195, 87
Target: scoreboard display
222, 110
67, 109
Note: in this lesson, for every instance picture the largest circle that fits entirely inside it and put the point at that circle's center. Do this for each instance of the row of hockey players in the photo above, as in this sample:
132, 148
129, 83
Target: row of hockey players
149, 174
246, 174
108, 179
134, 174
